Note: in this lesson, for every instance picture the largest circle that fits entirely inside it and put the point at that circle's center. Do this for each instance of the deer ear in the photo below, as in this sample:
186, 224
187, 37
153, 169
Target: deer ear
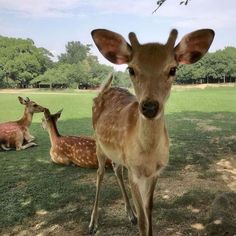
112, 46
46, 112
194, 46
58, 114
22, 100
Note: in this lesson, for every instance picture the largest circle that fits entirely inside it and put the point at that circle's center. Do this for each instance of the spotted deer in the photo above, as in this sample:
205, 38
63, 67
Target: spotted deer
131, 130
79, 150
15, 134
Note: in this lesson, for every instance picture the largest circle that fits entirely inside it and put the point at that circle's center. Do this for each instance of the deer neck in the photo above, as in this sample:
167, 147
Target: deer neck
53, 132
150, 132
26, 120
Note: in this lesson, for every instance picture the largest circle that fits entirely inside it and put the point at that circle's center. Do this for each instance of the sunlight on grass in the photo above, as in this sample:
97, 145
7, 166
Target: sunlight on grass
38, 195
26, 202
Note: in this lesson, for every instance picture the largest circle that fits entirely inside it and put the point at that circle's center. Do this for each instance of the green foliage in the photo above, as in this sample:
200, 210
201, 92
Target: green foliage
75, 52
122, 79
21, 61
23, 64
213, 67
78, 68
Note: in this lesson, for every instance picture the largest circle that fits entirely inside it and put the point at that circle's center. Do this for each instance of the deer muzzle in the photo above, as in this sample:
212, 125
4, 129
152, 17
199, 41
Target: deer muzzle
149, 108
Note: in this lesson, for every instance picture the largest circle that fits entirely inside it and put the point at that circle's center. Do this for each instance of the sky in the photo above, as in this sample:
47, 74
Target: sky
53, 23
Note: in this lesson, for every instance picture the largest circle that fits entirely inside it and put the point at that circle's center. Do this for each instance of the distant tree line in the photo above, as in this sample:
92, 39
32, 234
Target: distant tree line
24, 65
217, 67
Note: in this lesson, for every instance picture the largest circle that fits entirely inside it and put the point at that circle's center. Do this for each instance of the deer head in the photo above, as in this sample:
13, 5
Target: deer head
31, 107
50, 118
152, 66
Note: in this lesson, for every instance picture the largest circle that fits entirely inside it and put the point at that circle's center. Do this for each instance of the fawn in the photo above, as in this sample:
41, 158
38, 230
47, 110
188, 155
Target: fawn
79, 150
15, 134
131, 130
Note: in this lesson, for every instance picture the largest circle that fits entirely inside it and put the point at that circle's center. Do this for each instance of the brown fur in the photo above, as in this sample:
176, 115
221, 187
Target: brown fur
79, 150
15, 134
125, 131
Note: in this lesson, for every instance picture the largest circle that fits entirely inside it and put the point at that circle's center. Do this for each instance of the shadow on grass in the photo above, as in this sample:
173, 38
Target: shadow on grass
199, 138
31, 186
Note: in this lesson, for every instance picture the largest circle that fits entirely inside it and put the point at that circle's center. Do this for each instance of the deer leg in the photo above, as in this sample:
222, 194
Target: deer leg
142, 190
28, 137
58, 159
147, 194
100, 173
137, 199
32, 138
118, 169
21, 147
5, 148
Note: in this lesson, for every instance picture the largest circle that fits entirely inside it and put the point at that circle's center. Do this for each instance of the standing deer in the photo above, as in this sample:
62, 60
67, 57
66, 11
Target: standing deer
131, 130
78, 150
15, 134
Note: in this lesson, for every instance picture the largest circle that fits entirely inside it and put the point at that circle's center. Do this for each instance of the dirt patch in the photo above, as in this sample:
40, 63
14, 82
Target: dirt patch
223, 215
204, 126
227, 168
203, 86
41, 91
182, 204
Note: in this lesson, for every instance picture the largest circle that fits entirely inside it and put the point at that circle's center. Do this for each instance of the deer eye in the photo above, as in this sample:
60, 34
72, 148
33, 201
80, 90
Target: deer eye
172, 71
131, 71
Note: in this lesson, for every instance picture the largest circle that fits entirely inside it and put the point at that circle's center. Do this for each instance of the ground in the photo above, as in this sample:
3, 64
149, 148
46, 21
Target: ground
38, 197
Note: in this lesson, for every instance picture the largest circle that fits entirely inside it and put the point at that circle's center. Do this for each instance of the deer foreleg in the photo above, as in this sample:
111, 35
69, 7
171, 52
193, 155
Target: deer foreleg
28, 137
118, 169
32, 138
142, 190
21, 147
100, 173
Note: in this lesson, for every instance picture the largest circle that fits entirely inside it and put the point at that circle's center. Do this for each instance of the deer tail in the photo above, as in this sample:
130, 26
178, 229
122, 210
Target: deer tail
107, 85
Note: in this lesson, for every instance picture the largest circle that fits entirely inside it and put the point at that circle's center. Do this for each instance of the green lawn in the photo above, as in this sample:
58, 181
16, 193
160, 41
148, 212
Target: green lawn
37, 196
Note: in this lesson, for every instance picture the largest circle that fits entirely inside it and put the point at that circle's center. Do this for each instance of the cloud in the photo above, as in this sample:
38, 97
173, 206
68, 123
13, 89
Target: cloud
196, 14
200, 13
138, 7
66, 8
39, 8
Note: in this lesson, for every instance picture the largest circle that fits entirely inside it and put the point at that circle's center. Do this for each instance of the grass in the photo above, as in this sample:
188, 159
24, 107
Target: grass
37, 196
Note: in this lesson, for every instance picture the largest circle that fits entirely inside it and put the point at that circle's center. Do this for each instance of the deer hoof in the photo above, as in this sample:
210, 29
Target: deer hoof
93, 229
133, 220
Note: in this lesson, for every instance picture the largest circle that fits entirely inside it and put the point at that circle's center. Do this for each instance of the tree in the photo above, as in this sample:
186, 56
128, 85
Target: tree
21, 61
122, 79
219, 66
75, 53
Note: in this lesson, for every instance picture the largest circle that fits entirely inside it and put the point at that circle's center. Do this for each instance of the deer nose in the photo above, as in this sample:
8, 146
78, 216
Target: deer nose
149, 108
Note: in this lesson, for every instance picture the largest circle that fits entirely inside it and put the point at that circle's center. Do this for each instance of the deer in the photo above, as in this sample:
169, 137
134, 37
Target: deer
15, 134
130, 129
65, 150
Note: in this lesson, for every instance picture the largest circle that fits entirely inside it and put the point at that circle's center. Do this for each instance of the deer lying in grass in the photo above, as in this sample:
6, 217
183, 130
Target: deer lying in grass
66, 150
131, 130
15, 134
